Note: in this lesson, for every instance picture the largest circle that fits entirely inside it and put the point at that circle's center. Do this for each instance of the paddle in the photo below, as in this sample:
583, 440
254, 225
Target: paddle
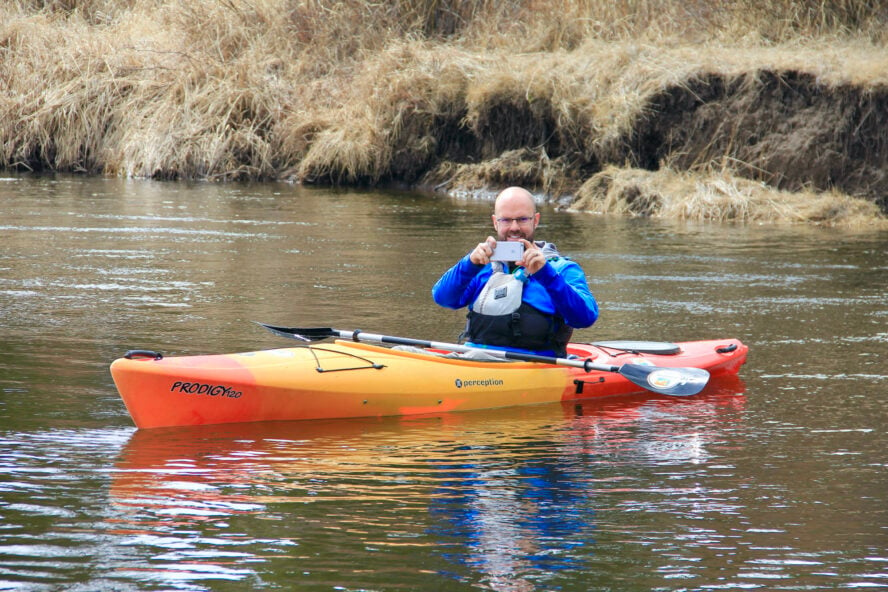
678, 382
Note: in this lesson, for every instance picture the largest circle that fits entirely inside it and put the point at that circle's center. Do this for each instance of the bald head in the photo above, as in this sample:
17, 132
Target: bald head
514, 214
514, 196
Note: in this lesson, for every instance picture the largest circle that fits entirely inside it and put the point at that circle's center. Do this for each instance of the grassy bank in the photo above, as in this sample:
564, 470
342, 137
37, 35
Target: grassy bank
778, 102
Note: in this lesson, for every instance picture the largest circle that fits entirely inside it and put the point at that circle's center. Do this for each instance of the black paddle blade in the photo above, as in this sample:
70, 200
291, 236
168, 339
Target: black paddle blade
302, 333
678, 382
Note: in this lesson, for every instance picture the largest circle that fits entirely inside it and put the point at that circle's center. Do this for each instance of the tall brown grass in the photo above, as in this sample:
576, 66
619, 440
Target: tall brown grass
444, 93
718, 197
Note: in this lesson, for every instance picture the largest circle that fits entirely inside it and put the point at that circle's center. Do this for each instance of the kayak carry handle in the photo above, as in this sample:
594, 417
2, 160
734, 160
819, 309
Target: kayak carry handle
142, 354
726, 349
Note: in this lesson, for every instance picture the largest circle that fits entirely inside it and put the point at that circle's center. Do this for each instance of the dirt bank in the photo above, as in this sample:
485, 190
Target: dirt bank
785, 129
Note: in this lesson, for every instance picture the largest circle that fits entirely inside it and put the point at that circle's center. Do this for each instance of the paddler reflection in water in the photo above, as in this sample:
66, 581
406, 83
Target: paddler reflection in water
530, 305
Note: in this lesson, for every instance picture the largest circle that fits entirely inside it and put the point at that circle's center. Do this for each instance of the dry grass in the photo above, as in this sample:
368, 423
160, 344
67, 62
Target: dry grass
718, 197
445, 92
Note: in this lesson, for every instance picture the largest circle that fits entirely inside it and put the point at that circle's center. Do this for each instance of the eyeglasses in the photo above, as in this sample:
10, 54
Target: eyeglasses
508, 221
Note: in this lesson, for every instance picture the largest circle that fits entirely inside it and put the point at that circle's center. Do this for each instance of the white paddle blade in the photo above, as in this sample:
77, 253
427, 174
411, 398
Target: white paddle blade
678, 382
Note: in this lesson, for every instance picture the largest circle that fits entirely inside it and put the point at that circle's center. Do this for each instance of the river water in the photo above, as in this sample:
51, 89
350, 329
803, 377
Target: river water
774, 481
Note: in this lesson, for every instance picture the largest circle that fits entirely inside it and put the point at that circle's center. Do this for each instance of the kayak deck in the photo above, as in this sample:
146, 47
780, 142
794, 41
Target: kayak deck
349, 379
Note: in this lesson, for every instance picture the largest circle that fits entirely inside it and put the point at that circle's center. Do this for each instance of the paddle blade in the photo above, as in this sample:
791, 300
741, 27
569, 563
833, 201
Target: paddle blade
677, 382
302, 333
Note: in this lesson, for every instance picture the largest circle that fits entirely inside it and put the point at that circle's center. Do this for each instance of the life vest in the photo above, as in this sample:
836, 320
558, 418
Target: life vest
499, 317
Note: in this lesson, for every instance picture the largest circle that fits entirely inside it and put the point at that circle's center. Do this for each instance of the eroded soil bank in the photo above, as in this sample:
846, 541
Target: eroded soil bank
784, 129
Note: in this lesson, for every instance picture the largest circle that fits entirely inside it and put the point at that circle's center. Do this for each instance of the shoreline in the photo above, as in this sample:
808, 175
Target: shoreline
647, 124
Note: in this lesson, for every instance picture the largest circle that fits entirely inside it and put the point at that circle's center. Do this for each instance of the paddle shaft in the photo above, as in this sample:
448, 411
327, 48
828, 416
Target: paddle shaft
679, 382
586, 365
359, 335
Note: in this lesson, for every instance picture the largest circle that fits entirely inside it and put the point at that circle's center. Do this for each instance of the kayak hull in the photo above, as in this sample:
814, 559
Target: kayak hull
348, 379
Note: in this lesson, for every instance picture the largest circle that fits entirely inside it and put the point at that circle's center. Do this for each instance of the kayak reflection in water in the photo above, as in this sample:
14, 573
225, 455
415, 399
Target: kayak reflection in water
528, 301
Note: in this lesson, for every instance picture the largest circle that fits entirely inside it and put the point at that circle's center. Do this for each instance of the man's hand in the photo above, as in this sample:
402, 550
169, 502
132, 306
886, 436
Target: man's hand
533, 259
483, 252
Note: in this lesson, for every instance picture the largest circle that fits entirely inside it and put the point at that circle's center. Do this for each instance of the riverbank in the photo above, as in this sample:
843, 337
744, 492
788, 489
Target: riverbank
745, 113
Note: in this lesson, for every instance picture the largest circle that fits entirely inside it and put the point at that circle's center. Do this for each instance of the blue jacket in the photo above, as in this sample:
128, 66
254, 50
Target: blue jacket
559, 287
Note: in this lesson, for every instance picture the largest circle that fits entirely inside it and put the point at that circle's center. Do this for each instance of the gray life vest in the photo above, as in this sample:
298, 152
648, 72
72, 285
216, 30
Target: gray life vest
500, 317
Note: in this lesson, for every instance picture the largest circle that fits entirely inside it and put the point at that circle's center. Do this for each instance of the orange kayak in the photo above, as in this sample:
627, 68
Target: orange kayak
350, 379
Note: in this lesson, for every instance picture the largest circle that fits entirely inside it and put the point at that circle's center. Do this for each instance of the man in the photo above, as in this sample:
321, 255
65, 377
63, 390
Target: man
532, 305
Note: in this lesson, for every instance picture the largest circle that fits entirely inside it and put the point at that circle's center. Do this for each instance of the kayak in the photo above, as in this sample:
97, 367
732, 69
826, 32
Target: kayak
346, 379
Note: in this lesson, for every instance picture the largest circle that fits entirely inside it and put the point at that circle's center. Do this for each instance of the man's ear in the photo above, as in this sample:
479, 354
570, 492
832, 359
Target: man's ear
493, 221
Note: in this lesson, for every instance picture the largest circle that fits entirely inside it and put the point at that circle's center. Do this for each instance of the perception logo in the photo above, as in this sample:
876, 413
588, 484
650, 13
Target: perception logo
486, 382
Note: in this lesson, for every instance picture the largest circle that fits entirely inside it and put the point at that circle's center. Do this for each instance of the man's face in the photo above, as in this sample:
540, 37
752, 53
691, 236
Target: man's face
515, 219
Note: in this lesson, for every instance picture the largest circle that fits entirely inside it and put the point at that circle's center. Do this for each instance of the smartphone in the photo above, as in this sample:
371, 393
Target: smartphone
508, 251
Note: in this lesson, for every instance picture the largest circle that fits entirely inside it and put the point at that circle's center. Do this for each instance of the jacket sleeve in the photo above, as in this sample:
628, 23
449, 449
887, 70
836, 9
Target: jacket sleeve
458, 286
567, 287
